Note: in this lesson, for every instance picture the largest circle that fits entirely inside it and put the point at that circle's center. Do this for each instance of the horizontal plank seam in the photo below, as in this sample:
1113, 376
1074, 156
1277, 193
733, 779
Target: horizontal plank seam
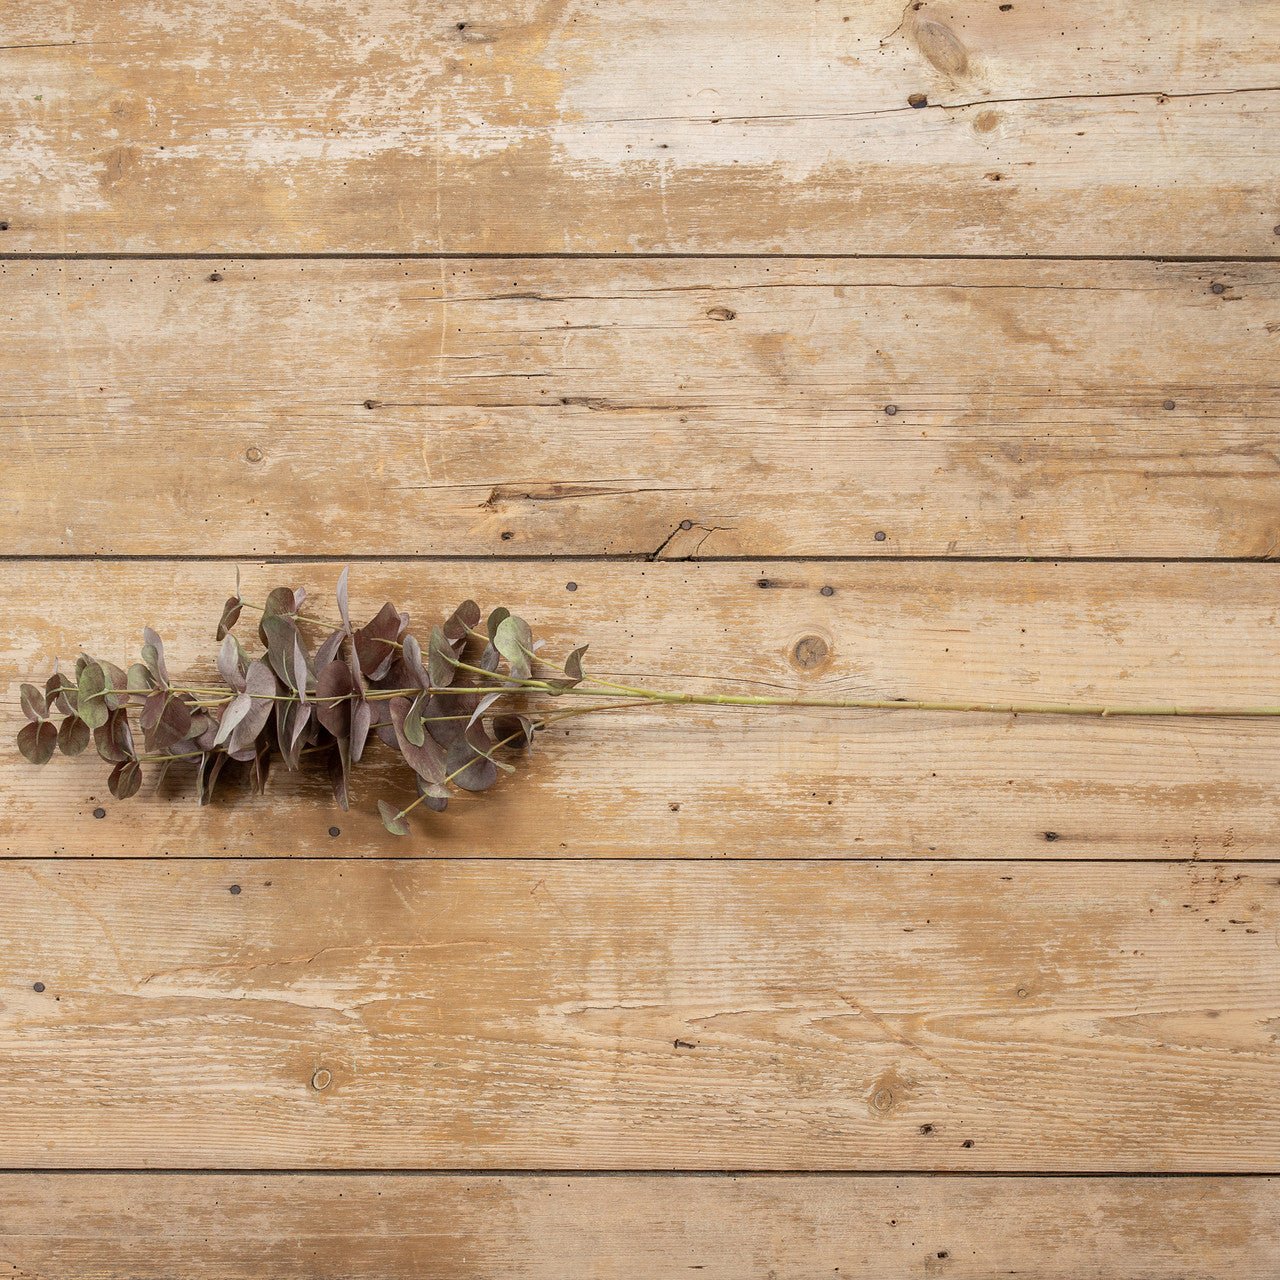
362, 1172
655, 256
995, 860
637, 557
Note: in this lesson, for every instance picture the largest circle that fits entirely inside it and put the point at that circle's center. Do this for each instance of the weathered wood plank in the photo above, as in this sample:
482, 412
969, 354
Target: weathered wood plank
474, 408
689, 782
654, 126
613, 1015
389, 1227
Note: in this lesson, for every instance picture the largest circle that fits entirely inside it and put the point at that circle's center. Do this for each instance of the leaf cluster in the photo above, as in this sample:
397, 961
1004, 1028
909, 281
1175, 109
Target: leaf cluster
452, 705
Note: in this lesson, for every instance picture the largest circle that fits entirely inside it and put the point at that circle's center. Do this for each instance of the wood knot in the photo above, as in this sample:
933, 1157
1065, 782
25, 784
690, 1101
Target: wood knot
721, 313
321, 1079
810, 652
941, 46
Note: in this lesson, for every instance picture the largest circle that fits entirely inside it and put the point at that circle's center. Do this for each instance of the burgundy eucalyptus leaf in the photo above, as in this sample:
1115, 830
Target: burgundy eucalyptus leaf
393, 819
280, 635
117, 686
441, 660
339, 773
376, 643
114, 739
211, 765
434, 796
514, 730
229, 665
301, 668
464, 619
411, 655
496, 618
361, 723
470, 771
344, 606
35, 703
230, 616
426, 759
140, 678
91, 703
60, 693
124, 780
327, 651
204, 728
235, 712
73, 736
169, 719
37, 740
334, 682
153, 655
261, 686
514, 641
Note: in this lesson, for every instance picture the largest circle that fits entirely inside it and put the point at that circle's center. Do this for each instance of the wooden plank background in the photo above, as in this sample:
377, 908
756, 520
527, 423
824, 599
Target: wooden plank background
549, 126
901, 351
661, 409
731, 782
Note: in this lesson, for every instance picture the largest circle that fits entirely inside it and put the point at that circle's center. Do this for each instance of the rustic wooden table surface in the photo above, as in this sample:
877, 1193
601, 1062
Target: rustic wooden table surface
852, 349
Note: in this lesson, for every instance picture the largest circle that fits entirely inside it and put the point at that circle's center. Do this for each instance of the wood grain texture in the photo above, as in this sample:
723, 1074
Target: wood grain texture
412, 407
648, 126
622, 1015
389, 1227
756, 783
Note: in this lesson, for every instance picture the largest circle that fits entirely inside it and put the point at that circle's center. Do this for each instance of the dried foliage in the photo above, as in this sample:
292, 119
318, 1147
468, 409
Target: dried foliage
455, 711
452, 710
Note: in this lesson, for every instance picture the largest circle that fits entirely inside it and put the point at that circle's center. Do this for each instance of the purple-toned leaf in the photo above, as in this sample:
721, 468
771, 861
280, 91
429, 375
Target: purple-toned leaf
361, 722
514, 641
496, 618
169, 719
482, 706
235, 712
35, 703
204, 728
230, 616
153, 655
73, 736
140, 678
441, 660
60, 693
425, 760
414, 729
326, 653
301, 668
37, 740
281, 638
117, 685
211, 765
514, 731
393, 819
344, 606
229, 667
435, 796
91, 704
462, 620
339, 772
411, 654
261, 769
114, 739
334, 681
573, 664
124, 780
470, 771
375, 642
